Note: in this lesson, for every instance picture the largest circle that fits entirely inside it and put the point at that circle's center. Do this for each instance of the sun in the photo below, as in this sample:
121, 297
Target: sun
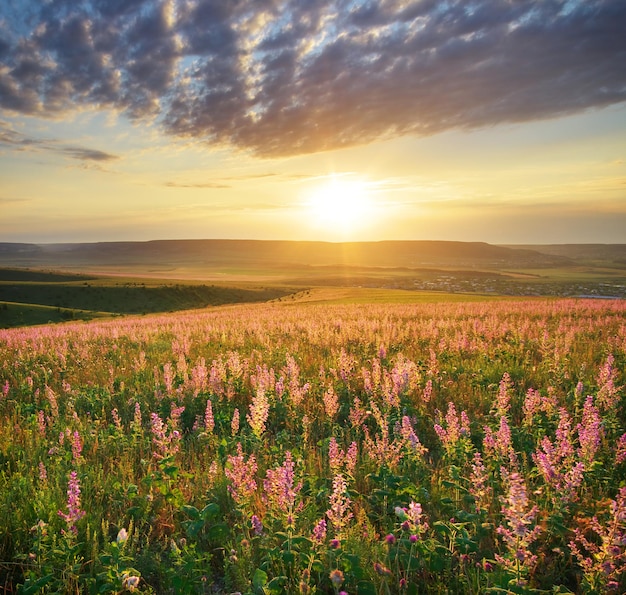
340, 205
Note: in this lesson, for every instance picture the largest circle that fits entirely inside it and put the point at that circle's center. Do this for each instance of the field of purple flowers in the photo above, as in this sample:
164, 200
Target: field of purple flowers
371, 449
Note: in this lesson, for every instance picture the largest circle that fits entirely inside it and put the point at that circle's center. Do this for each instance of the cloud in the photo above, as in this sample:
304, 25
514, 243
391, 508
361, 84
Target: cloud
196, 185
12, 138
8, 200
283, 77
84, 154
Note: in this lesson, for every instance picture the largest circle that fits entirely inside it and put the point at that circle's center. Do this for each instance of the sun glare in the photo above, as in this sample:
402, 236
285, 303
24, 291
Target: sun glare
340, 205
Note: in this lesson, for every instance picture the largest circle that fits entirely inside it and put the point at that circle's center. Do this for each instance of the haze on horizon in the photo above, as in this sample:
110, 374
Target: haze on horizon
497, 121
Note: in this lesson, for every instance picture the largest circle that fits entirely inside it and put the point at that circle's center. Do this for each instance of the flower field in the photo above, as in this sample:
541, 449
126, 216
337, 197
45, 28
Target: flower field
430, 448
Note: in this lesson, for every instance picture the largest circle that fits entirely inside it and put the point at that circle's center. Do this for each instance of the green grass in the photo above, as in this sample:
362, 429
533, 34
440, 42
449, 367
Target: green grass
30, 275
13, 314
36, 297
373, 295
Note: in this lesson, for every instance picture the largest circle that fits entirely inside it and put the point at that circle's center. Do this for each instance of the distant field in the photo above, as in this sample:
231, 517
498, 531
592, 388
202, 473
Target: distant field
36, 297
13, 314
84, 280
362, 295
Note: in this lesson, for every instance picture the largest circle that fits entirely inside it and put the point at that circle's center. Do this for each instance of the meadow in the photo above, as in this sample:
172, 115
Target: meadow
32, 296
309, 447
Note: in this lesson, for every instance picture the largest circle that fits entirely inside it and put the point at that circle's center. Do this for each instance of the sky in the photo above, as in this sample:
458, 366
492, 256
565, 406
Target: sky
501, 121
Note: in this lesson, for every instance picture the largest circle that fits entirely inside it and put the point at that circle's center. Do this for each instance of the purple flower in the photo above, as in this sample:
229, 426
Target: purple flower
280, 488
209, 421
518, 532
234, 423
74, 511
257, 525
589, 432
455, 428
241, 473
77, 446
620, 454
319, 532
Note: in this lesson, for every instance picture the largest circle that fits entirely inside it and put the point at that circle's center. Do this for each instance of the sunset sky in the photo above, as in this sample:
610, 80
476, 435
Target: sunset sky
501, 121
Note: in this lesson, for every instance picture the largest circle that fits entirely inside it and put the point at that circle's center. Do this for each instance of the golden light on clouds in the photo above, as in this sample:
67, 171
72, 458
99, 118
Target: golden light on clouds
159, 119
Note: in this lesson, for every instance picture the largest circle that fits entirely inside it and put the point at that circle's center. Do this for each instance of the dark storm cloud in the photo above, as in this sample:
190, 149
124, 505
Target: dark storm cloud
280, 77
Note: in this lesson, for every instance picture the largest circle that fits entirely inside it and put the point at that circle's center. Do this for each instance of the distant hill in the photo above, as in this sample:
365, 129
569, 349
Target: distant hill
207, 253
608, 253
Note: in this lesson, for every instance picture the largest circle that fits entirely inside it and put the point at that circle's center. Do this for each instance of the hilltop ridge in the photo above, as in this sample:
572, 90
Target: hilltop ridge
417, 253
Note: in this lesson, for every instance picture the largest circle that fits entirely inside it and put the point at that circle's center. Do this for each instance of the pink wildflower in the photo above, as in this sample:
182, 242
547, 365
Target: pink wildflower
241, 473
335, 455
608, 393
339, 512
518, 532
117, 422
428, 391
331, 403
77, 446
280, 488
357, 414
455, 429
351, 458
411, 439
503, 401
589, 432
257, 525
620, 453
74, 511
41, 423
319, 532
603, 556
479, 486
259, 412
209, 421
234, 423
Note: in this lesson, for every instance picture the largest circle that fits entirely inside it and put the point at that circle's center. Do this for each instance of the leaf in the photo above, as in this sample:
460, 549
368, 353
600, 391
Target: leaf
317, 566
259, 579
210, 511
191, 511
171, 471
441, 528
218, 532
277, 584
365, 588
194, 527
301, 540
34, 587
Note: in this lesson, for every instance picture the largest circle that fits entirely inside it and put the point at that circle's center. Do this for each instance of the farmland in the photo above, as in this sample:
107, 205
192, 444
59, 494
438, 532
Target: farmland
318, 445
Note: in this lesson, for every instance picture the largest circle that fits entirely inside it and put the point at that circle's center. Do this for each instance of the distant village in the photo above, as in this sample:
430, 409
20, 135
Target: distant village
507, 286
